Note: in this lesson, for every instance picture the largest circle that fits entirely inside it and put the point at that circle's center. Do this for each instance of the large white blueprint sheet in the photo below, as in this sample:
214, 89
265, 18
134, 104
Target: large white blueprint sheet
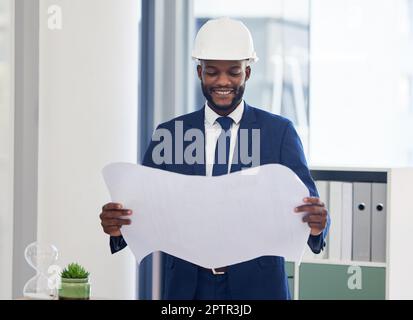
211, 221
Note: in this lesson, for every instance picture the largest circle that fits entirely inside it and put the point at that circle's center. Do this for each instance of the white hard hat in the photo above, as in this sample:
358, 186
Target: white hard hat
224, 39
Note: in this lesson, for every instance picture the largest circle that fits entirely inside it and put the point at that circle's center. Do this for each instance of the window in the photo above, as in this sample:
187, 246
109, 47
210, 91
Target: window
340, 70
361, 83
280, 29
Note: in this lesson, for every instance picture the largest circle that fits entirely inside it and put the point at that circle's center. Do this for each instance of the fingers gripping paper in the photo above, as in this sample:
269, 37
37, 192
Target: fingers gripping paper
211, 221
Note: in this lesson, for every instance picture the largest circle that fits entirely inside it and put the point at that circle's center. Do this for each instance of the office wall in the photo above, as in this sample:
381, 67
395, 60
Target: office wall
6, 148
87, 119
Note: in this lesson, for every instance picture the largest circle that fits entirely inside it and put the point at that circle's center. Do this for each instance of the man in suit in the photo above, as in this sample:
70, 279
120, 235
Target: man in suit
224, 50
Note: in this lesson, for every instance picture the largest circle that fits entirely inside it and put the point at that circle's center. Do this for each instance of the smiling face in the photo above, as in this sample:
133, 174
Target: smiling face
223, 83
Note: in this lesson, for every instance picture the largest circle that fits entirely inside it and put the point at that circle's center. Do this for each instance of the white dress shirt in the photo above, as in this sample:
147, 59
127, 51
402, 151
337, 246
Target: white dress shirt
213, 130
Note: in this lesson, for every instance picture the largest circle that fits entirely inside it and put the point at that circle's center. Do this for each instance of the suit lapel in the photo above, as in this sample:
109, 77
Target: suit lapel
248, 122
197, 121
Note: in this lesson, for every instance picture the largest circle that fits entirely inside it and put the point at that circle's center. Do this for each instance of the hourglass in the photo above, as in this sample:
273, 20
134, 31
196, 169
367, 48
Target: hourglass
40, 256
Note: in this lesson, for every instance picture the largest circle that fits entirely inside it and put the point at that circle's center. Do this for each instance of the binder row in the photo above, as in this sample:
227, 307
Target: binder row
358, 221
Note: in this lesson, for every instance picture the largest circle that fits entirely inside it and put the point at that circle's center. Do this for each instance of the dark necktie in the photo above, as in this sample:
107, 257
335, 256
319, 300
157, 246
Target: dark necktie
222, 147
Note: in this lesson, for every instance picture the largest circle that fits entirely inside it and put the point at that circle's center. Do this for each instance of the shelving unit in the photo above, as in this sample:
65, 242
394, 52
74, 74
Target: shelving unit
348, 279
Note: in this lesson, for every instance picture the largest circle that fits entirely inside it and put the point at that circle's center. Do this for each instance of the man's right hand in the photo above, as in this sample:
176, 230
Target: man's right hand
113, 218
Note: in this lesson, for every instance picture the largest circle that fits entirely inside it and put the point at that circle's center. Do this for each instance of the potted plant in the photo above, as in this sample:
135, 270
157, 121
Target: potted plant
74, 283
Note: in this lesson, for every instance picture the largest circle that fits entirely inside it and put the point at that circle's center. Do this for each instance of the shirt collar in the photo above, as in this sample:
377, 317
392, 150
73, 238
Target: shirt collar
211, 116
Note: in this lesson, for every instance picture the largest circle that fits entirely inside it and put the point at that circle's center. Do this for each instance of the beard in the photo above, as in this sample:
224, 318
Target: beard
239, 93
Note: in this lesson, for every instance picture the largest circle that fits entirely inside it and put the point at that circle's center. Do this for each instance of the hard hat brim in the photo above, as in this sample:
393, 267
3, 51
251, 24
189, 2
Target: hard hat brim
251, 60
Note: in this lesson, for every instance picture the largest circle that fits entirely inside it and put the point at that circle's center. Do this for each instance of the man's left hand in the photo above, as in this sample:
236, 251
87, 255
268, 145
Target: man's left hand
316, 216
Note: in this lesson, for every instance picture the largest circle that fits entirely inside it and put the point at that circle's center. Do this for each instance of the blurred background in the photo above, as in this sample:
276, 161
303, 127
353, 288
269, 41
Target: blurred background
84, 82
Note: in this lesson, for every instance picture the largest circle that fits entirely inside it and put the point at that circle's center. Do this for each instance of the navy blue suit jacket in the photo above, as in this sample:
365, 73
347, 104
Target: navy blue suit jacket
261, 278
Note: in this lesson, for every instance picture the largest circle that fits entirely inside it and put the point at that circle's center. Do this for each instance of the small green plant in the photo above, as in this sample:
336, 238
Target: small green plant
74, 271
